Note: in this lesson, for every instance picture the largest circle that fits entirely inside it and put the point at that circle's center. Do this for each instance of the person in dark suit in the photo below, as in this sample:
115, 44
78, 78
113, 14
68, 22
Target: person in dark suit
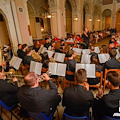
8, 92
35, 99
112, 63
28, 58
19, 49
78, 99
71, 63
86, 36
47, 44
22, 53
109, 103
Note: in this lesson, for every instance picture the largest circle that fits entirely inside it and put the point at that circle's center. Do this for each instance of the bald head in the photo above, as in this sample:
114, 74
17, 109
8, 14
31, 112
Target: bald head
31, 79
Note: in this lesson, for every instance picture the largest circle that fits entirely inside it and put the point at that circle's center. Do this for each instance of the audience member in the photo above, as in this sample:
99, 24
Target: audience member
78, 99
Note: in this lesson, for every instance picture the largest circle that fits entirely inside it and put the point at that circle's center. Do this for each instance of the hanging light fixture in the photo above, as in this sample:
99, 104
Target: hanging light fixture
76, 18
90, 19
98, 20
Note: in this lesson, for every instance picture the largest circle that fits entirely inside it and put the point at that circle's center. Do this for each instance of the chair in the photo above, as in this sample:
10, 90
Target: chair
105, 76
109, 118
40, 116
67, 83
3, 105
100, 75
67, 117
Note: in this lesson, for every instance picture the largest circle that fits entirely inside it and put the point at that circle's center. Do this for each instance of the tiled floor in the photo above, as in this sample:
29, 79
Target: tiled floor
6, 114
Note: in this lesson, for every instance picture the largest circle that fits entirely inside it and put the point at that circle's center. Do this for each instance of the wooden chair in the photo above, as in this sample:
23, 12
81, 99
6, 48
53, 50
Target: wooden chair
100, 75
105, 76
67, 83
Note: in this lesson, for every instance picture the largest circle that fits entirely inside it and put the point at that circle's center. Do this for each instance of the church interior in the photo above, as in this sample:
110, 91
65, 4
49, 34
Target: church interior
59, 59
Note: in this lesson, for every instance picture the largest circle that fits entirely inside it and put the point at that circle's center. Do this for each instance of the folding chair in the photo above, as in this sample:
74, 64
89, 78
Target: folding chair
3, 105
67, 117
67, 83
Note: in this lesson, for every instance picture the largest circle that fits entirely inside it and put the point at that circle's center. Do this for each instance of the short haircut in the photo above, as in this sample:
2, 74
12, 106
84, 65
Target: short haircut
81, 75
92, 48
46, 39
70, 53
113, 53
93, 58
23, 46
19, 45
28, 50
114, 78
30, 79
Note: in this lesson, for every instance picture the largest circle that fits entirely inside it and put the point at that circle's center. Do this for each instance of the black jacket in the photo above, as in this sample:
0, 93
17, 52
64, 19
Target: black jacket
39, 100
77, 101
8, 92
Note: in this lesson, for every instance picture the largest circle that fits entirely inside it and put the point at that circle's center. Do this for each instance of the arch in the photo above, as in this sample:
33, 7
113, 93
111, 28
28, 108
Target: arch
106, 18
7, 27
72, 3
118, 20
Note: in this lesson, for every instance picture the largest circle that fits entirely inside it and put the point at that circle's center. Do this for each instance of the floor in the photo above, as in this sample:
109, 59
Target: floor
6, 114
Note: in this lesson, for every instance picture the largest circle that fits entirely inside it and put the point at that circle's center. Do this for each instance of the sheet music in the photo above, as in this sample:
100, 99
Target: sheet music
118, 54
43, 50
90, 68
86, 51
61, 69
50, 53
85, 59
77, 50
17, 63
103, 57
59, 57
39, 51
32, 66
35, 67
38, 68
97, 50
53, 68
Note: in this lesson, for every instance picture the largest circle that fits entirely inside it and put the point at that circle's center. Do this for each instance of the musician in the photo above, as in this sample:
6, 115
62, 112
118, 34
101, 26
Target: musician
47, 44
109, 103
92, 51
78, 99
19, 49
71, 63
28, 58
35, 99
36, 46
86, 37
22, 53
52, 46
8, 92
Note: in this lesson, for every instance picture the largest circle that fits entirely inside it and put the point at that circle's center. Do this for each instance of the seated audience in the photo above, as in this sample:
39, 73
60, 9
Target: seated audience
71, 63
109, 103
47, 44
112, 63
8, 92
56, 38
35, 99
78, 99
28, 58
22, 53
94, 60
69, 40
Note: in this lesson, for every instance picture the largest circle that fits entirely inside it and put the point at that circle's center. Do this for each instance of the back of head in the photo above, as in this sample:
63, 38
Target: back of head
93, 59
57, 45
105, 49
30, 79
23, 46
45, 56
114, 78
28, 50
113, 53
70, 53
66, 48
81, 75
92, 48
